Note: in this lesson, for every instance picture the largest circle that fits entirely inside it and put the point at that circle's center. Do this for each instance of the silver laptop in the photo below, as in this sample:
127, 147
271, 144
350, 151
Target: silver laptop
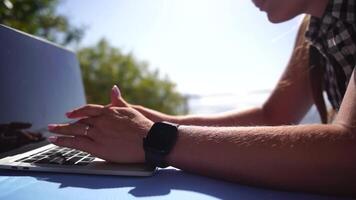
39, 82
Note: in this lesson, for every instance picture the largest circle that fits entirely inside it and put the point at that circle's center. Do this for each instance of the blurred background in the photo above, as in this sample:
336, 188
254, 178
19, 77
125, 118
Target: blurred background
175, 56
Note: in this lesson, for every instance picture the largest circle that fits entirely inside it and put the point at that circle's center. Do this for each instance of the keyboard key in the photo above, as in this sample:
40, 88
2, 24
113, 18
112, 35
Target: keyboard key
83, 154
43, 161
39, 157
73, 160
87, 159
82, 163
28, 160
58, 160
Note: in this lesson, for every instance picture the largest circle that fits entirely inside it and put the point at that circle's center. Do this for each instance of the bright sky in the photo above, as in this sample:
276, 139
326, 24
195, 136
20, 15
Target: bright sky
205, 46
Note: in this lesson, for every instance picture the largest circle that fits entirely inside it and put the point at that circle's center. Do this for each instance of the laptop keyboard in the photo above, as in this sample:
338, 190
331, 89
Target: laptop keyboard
59, 156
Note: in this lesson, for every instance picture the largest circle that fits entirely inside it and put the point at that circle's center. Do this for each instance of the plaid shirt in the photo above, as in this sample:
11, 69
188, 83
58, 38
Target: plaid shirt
334, 35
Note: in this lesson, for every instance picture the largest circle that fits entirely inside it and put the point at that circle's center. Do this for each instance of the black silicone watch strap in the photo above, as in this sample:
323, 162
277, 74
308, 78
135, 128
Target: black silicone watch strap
155, 158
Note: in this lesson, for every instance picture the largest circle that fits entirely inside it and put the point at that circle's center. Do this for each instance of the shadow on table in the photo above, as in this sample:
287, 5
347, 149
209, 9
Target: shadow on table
162, 183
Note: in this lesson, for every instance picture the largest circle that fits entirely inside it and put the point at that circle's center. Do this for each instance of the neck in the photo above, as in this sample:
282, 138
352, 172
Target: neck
316, 8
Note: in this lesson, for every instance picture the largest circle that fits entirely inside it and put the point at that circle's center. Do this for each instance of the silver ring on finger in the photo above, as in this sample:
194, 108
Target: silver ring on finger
86, 131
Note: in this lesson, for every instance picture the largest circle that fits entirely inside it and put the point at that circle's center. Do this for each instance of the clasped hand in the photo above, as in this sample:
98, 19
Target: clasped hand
112, 133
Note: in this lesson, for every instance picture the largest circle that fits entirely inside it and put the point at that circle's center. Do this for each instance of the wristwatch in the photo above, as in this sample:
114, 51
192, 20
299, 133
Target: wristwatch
159, 142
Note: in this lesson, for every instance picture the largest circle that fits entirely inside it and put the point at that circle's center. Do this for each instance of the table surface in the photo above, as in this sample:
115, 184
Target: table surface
165, 184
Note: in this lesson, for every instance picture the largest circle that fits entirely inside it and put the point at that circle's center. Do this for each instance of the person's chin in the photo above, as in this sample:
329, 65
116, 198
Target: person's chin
277, 19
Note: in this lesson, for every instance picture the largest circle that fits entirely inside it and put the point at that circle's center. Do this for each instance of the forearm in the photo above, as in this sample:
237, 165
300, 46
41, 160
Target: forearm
318, 158
251, 117
154, 115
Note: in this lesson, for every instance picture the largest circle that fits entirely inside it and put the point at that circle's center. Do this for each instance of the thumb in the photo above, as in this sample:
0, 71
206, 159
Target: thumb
116, 99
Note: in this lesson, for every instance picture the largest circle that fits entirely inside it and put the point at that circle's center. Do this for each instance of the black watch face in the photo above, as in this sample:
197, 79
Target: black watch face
162, 136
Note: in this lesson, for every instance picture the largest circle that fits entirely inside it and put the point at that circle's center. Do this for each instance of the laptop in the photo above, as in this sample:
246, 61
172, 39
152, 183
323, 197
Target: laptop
39, 82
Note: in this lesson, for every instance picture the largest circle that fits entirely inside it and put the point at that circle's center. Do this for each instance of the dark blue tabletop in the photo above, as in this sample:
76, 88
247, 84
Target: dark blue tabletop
165, 184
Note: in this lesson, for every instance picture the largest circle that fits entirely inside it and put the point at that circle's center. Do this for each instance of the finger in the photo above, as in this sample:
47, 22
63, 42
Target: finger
92, 121
81, 143
89, 110
75, 129
116, 99
116, 91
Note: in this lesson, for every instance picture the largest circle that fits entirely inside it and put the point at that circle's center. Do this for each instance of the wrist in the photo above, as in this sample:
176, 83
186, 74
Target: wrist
159, 142
146, 128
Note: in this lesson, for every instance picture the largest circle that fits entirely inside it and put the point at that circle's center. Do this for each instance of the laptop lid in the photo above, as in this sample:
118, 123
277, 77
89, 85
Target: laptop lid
39, 81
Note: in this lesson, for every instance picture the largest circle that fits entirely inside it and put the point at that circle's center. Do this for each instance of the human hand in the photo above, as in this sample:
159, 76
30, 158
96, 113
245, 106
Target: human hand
116, 98
115, 133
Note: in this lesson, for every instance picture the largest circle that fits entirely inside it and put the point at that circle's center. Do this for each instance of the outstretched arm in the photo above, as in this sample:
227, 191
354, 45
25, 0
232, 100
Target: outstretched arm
288, 103
318, 158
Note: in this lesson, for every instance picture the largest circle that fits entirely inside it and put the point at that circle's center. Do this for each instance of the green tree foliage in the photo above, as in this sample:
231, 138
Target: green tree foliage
39, 17
104, 66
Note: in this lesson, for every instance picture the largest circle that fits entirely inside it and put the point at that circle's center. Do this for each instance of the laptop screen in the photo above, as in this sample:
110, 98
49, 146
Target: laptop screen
39, 81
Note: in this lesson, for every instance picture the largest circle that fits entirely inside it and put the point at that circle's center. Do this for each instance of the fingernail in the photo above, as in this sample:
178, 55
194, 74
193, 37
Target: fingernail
68, 114
116, 90
52, 139
51, 126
